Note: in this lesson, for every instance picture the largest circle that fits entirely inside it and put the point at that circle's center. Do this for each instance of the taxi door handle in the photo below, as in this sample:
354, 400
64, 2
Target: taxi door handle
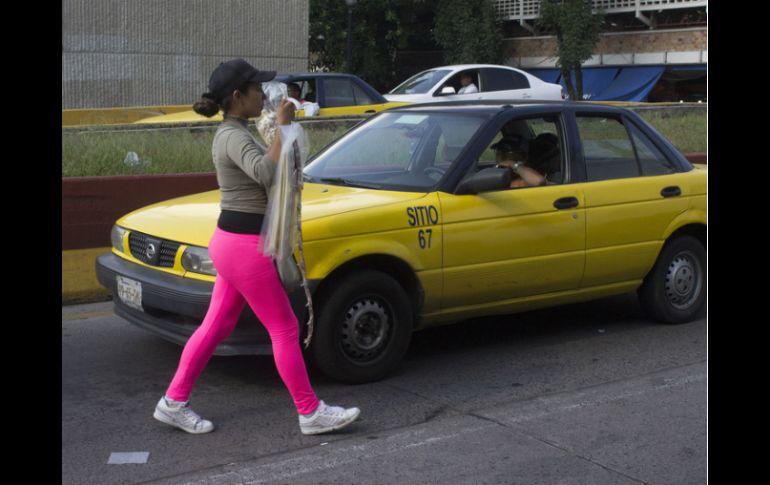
369, 111
671, 192
566, 203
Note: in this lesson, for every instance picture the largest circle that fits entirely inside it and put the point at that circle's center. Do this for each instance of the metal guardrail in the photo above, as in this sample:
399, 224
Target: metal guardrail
190, 126
208, 125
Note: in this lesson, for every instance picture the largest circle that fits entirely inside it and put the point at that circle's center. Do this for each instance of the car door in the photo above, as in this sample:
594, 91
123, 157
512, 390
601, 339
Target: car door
497, 83
633, 192
510, 244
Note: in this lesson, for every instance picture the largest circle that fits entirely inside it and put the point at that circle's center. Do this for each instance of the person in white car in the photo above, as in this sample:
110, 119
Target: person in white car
468, 87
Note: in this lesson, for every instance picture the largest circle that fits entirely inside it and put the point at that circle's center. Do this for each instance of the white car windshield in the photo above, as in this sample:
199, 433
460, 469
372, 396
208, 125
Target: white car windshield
420, 83
407, 151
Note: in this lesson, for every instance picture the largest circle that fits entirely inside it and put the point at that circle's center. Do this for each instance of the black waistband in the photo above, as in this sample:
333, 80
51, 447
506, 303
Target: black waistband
240, 222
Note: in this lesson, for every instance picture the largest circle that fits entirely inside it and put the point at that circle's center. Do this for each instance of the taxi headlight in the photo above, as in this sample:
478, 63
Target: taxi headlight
197, 260
117, 238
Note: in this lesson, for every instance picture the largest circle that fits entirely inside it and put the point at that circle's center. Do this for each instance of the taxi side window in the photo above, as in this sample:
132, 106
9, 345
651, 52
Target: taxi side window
361, 97
308, 91
607, 149
651, 159
339, 92
535, 141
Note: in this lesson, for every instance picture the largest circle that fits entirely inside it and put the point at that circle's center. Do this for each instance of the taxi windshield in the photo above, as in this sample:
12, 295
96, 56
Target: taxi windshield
408, 151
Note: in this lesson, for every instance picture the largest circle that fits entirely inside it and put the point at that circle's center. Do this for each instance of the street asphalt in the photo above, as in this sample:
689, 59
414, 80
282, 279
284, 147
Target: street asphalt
592, 393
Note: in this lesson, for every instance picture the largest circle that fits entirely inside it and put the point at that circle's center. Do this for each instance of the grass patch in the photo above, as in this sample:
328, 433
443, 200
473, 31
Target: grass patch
98, 151
685, 129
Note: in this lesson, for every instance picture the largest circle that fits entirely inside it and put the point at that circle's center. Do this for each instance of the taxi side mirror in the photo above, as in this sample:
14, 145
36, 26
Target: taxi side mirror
448, 90
487, 180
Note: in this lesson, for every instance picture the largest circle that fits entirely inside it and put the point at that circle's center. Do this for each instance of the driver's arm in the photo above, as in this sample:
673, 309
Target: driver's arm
530, 175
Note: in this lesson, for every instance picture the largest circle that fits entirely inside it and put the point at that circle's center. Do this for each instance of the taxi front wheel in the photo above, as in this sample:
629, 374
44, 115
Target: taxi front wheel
674, 291
364, 327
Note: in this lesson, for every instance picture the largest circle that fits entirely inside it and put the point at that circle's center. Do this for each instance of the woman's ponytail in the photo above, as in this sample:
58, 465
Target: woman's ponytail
206, 106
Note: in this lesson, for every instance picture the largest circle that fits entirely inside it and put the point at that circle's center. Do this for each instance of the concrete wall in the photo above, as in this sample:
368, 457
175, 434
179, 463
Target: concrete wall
157, 52
654, 41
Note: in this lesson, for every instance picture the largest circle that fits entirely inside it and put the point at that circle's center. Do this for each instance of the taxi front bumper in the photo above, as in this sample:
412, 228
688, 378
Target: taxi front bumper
174, 307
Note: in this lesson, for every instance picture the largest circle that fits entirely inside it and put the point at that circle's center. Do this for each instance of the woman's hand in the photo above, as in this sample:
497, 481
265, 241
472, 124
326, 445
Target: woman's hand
285, 112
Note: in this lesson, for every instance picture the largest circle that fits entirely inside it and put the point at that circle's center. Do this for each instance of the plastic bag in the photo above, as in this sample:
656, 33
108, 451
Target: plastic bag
281, 228
311, 109
266, 125
279, 233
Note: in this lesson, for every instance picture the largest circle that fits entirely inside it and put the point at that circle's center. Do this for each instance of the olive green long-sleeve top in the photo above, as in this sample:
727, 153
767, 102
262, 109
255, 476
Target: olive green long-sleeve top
244, 171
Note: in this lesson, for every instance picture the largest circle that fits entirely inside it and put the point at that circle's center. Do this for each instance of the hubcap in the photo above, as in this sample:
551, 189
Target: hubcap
366, 330
683, 280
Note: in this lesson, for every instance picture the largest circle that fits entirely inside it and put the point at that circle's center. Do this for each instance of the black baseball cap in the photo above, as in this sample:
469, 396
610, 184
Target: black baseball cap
509, 144
233, 74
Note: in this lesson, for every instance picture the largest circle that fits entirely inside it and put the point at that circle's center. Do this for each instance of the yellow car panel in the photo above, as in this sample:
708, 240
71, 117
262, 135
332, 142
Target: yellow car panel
115, 116
511, 244
626, 220
190, 219
190, 116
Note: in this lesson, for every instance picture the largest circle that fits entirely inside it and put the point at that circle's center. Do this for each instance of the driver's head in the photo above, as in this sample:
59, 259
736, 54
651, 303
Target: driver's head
293, 90
508, 151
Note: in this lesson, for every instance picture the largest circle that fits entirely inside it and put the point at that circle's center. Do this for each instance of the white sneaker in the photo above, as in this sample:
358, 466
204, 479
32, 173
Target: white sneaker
179, 414
327, 418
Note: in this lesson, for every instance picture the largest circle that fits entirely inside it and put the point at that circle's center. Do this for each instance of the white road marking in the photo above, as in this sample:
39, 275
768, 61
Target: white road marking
122, 458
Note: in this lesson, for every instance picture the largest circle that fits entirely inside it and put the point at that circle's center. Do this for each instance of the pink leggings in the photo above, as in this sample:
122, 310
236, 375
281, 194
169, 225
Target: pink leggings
245, 275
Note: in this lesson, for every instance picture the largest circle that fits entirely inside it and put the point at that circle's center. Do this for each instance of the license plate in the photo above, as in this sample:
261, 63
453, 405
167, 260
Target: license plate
130, 292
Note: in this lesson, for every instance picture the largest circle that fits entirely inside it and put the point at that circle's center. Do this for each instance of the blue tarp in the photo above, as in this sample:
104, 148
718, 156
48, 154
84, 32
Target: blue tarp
547, 75
631, 84
595, 80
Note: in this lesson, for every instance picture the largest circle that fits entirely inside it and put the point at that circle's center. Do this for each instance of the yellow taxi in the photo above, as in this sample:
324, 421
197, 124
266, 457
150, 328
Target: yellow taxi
337, 94
409, 222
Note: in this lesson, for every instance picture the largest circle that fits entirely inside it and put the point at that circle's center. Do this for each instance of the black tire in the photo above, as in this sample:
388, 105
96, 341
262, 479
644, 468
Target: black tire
674, 291
364, 327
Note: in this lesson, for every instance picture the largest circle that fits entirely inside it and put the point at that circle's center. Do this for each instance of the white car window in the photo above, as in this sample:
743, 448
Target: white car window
420, 83
503, 80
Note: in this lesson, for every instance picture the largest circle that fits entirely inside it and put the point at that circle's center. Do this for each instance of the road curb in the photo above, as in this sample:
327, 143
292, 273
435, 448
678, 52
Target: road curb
78, 276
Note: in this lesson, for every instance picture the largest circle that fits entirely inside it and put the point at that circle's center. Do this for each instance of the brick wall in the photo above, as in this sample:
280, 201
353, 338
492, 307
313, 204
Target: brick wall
654, 41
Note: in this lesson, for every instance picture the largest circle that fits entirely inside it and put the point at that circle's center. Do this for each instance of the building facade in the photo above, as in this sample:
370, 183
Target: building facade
650, 50
120, 53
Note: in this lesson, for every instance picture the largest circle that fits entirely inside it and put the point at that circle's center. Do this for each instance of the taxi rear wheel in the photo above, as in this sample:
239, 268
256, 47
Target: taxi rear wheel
364, 327
675, 289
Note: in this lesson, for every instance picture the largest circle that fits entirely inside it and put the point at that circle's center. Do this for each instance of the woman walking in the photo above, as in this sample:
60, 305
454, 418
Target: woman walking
245, 171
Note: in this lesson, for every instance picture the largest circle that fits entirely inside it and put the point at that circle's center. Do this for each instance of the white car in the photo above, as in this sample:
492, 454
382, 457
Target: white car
493, 82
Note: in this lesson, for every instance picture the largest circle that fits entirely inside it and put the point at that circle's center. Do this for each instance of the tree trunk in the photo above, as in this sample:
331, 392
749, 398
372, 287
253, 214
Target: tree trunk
565, 74
579, 79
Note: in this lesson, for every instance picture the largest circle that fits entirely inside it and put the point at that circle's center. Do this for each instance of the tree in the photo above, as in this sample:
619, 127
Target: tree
379, 29
577, 32
468, 32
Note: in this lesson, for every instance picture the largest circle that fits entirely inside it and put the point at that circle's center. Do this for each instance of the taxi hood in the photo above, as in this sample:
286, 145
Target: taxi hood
193, 218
